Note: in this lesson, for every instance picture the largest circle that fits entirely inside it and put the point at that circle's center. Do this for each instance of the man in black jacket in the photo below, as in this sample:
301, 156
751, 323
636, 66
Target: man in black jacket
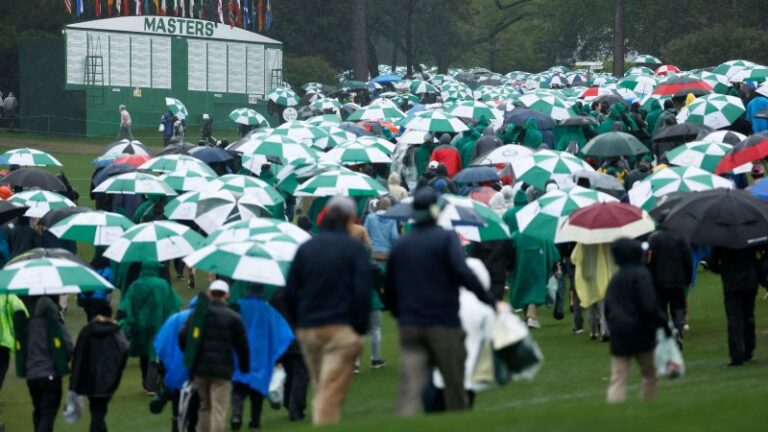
671, 265
222, 335
633, 316
328, 299
426, 268
738, 271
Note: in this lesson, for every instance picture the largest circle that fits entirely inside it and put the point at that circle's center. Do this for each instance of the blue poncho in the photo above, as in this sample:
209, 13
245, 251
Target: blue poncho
169, 353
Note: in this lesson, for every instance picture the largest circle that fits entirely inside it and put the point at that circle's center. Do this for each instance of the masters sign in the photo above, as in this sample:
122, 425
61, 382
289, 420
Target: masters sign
179, 26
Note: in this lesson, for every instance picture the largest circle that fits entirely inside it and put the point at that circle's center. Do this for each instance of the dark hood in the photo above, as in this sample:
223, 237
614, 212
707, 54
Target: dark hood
445, 139
627, 252
103, 328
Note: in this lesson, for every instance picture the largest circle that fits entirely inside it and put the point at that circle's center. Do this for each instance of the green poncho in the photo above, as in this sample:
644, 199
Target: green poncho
423, 153
530, 136
565, 134
507, 135
149, 302
617, 114
466, 145
534, 263
10, 304
653, 116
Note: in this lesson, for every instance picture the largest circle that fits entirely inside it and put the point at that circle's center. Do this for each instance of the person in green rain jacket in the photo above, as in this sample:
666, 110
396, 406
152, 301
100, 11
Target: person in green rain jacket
507, 134
533, 263
653, 116
423, 153
465, 144
10, 306
150, 300
564, 135
530, 136
618, 114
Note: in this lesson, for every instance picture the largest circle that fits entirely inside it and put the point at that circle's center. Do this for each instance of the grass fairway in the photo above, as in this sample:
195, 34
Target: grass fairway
567, 395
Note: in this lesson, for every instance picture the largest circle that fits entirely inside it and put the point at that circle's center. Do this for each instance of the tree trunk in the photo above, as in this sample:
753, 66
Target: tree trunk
618, 38
409, 38
360, 39
373, 59
394, 58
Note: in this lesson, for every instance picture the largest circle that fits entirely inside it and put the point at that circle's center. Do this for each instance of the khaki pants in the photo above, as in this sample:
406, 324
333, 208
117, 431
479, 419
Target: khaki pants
330, 354
617, 388
214, 397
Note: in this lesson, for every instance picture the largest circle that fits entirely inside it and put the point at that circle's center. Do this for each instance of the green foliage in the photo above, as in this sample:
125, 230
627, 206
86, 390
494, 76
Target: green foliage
300, 70
714, 45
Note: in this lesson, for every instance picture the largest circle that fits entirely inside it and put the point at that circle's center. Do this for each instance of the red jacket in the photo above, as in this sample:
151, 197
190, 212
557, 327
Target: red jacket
449, 156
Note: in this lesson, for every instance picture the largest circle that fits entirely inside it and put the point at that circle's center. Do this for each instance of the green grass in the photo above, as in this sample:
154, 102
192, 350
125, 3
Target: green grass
567, 395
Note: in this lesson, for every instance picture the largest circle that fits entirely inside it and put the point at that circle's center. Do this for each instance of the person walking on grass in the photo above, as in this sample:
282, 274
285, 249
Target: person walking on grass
125, 124
633, 316
328, 300
100, 355
211, 337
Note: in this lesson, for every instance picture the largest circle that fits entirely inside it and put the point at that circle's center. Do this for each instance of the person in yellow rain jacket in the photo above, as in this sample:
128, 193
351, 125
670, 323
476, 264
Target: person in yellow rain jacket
594, 269
10, 305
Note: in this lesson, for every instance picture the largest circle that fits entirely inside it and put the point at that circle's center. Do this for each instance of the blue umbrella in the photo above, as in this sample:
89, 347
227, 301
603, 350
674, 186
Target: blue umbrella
477, 174
416, 109
388, 78
355, 129
760, 189
210, 155
112, 170
102, 161
519, 116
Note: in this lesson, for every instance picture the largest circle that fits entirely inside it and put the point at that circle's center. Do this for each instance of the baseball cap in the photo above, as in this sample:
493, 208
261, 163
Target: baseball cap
219, 285
433, 165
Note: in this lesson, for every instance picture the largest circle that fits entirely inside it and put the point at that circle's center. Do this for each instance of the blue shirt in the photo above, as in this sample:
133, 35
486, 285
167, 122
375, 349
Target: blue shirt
753, 107
383, 232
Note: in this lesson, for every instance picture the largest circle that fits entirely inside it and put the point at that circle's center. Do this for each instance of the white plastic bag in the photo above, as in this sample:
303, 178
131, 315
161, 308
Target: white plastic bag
161, 128
668, 357
73, 407
276, 387
515, 349
508, 329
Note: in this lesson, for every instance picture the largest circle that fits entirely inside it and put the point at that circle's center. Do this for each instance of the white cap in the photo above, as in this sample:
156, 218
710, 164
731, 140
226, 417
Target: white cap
219, 285
433, 164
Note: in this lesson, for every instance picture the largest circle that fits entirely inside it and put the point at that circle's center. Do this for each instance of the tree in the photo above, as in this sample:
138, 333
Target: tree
360, 39
618, 38
722, 44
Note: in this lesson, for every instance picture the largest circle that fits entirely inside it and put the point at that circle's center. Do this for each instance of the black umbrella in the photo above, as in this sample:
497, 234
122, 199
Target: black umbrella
111, 170
728, 138
211, 155
680, 132
477, 174
48, 253
613, 144
10, 211
27, 178
610, 99
57, 215
519, 116
721, 217
174, 149
580, 121
664, 204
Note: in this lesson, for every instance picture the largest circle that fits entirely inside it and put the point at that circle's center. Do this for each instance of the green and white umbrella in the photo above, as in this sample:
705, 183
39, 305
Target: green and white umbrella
98, 228
241, 184
292, 174
472, 110
434, 121
334, 138
216, 207
719, 83
487, 93
251, 229
355, 153
703, 154
676, 179
325, 103
183, 181
638, 70
248, 116
177, 163
182, 207
538, 168
244, 261
547, 103
733, 67
177, 108
126, 147
324, 120
640, 84
299, 131
341, 182
28, 157
714, 110
154, 242
493, 227
456, 94
543, 217
40, 202
134, 183
756, 73
312, 85
276, 146
377, 112
283, 96
647, 59
419, 87
49, 276
378, 142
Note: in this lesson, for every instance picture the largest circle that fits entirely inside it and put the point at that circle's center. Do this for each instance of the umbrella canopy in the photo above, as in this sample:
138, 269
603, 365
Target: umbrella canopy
283, 96
505, 154
177, 163
594, 92
732, 67
703, 154
727, 218
183, 181
47, 253
177, 148
599, 181
356, 153
244, 261
287, 152
676, 179
215, 207
492, 226
640, 84
177, 108
248, 116
472, 110
49, 276
291, 175
40, 202
210, 155
519, 116
324, 120
538, 168
606, 222
543, 217
29, 178
751, 149
476, 174
241, 184
682, 86
647, 59
639, 70
299, 131
760, 189
547, 103
326, 104
680, 132
376, 112
341, 182
388, 78
110, 171
666, 203
434, 121
613, 144
380, 143
419, 87
334, 138
154, 242
132, 160
98, 228
28, 157
756, 73
716, 111
665, 70
134, 183
10, 211
126, 147
57, 215
725, 137
249, 230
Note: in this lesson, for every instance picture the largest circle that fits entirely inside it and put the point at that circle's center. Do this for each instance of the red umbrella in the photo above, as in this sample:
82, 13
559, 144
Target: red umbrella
606, 222
665, 70
132, 160
681, 86
751, 149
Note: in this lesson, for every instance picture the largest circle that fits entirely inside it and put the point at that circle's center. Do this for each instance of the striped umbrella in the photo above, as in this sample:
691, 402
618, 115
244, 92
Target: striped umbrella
248, 116
376, 112
676, 179
334, 137
719, 83
312, 85
538, 168
380, 143
177, 163
49, 276
606, 222
703, 154
183, 181
547, 103
324, 120
154, 242
639, 70
293, 173
725, 137
355, 153
419, 87
98, 228
125, 147
472, 110
665, 70
733, 67
341, 182
245, 261
543, 217
492, 227
756, 73
40, 202
642, 84
216, 207
715, 110
276, 146
681, 86
134, 183
326, 104
177, 108
249, 230
647, 59
283, 96
28, 157
433, 121
299, 131
241, 184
